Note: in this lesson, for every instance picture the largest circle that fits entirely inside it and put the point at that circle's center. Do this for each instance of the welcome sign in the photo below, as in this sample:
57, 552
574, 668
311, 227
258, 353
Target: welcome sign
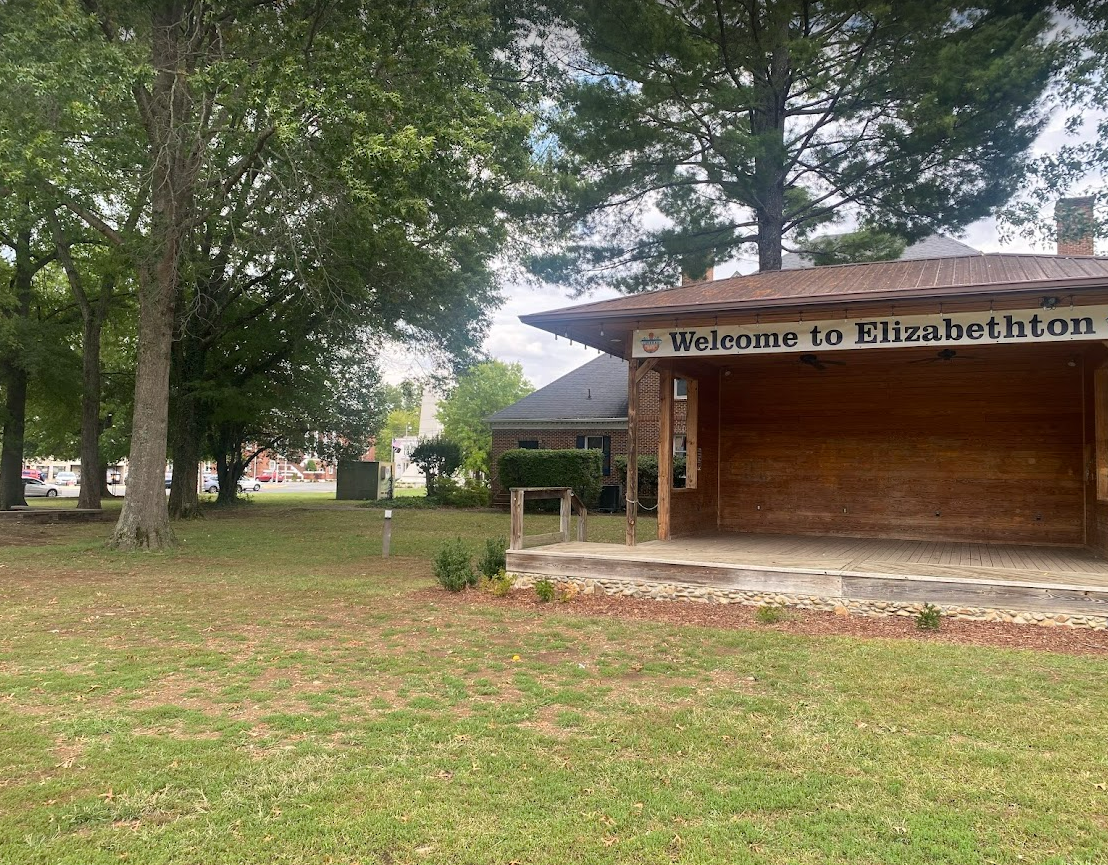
967, 328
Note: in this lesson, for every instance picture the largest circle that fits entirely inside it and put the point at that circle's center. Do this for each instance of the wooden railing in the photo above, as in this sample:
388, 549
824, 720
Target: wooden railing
569, 503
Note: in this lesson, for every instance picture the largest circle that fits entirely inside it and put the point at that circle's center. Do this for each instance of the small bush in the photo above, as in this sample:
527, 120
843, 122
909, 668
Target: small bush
770, 615
494, 560
500, 584
450, 494
453, 568
929, 618
544, 589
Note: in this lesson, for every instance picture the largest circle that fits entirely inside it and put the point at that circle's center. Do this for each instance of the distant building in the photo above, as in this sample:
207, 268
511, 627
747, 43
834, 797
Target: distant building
586, 408
935, 246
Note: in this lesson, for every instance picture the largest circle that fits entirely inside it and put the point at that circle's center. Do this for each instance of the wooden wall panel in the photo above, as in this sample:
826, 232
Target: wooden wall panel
693, 511
1096, 509
984, 447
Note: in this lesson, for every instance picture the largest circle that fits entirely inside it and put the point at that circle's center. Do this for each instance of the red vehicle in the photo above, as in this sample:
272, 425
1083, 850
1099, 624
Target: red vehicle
32, 475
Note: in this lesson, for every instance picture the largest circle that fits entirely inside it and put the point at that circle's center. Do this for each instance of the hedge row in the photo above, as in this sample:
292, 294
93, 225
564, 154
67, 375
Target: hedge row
581, 470
648, 473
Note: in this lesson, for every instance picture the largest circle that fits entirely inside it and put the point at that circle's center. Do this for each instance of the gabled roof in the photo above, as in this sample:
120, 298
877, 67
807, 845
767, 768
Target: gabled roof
991, 273
935, 246
597, 390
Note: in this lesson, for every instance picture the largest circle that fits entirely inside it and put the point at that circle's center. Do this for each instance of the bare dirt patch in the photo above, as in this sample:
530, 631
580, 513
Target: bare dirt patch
799, 622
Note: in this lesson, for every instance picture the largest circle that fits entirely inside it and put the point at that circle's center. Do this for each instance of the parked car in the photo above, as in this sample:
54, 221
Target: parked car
168, 481
32, 475
272, 477
66, 479
35, 488
210, 484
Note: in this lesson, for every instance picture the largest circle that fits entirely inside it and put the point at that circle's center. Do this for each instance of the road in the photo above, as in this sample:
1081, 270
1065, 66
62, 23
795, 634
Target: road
267, 489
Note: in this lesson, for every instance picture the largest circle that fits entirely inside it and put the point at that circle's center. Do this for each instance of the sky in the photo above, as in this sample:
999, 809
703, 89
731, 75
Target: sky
545, 358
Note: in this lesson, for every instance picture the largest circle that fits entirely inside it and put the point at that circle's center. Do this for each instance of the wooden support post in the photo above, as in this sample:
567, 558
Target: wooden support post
692, 420
665, 451
632, 494
564, 511
515, 540
386, 541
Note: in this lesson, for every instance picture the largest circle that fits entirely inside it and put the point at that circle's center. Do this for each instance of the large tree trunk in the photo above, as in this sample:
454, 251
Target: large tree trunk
187, 429
144, 520
229, 464
92, 473
168, 114
105, 487
768, 124
11, 452
15, 378
184, 500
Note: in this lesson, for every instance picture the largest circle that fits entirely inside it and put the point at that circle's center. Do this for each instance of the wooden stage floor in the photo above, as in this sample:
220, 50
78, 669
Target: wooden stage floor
1003, 576
868, 555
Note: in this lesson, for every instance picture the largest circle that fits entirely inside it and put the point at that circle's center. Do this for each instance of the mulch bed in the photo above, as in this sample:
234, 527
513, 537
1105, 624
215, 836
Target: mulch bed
799, 622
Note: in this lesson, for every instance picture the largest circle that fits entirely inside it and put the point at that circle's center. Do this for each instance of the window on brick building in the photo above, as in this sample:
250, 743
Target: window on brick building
529, 444
598, 443
680, 388
680, 472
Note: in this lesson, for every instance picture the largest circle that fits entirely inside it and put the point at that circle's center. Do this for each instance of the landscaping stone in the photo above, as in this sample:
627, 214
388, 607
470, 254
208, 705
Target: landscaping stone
655, 591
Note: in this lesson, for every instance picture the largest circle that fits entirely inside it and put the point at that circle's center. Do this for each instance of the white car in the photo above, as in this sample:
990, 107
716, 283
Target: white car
37, 489
66, 479
210, 484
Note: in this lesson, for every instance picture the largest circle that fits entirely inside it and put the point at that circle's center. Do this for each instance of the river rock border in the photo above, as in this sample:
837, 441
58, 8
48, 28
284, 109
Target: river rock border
647, 590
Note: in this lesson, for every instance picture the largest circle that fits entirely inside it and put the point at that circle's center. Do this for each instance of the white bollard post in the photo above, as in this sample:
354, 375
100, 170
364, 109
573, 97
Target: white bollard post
388, 535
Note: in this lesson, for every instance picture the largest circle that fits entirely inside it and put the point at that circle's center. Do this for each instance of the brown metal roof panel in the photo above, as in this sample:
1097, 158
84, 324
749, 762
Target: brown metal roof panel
990, 272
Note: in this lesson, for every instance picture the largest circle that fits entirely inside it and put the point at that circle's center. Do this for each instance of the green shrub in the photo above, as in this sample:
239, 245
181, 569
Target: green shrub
770, 615
581, 470
544, 589
402, 503
648, 473
929, 618
453, 568
450, 494
494, 560
500, 584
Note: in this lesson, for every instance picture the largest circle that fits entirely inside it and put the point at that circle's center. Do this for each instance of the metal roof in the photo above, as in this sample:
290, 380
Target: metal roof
935, 246
593, 391
990, 273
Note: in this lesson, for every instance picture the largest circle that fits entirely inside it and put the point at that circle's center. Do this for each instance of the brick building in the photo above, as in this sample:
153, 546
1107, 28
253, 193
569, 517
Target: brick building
586, 408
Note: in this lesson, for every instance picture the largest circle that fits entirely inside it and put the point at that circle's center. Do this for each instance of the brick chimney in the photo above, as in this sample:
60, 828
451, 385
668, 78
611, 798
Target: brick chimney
1076, 224
709, 275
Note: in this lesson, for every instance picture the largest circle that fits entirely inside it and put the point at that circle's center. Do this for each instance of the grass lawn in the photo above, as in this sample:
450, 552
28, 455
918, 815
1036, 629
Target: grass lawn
275, 692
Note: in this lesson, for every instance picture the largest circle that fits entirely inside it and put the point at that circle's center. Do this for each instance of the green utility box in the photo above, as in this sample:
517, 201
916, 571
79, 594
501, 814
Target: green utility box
362, 480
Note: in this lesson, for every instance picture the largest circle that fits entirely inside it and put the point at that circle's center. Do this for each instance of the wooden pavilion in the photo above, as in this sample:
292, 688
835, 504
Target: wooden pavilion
928, 430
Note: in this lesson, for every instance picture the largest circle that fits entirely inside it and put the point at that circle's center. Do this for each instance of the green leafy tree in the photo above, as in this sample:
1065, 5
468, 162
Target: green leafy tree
1078, 166
481, 391
375, 154
307, 403
744, 124
437, 458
